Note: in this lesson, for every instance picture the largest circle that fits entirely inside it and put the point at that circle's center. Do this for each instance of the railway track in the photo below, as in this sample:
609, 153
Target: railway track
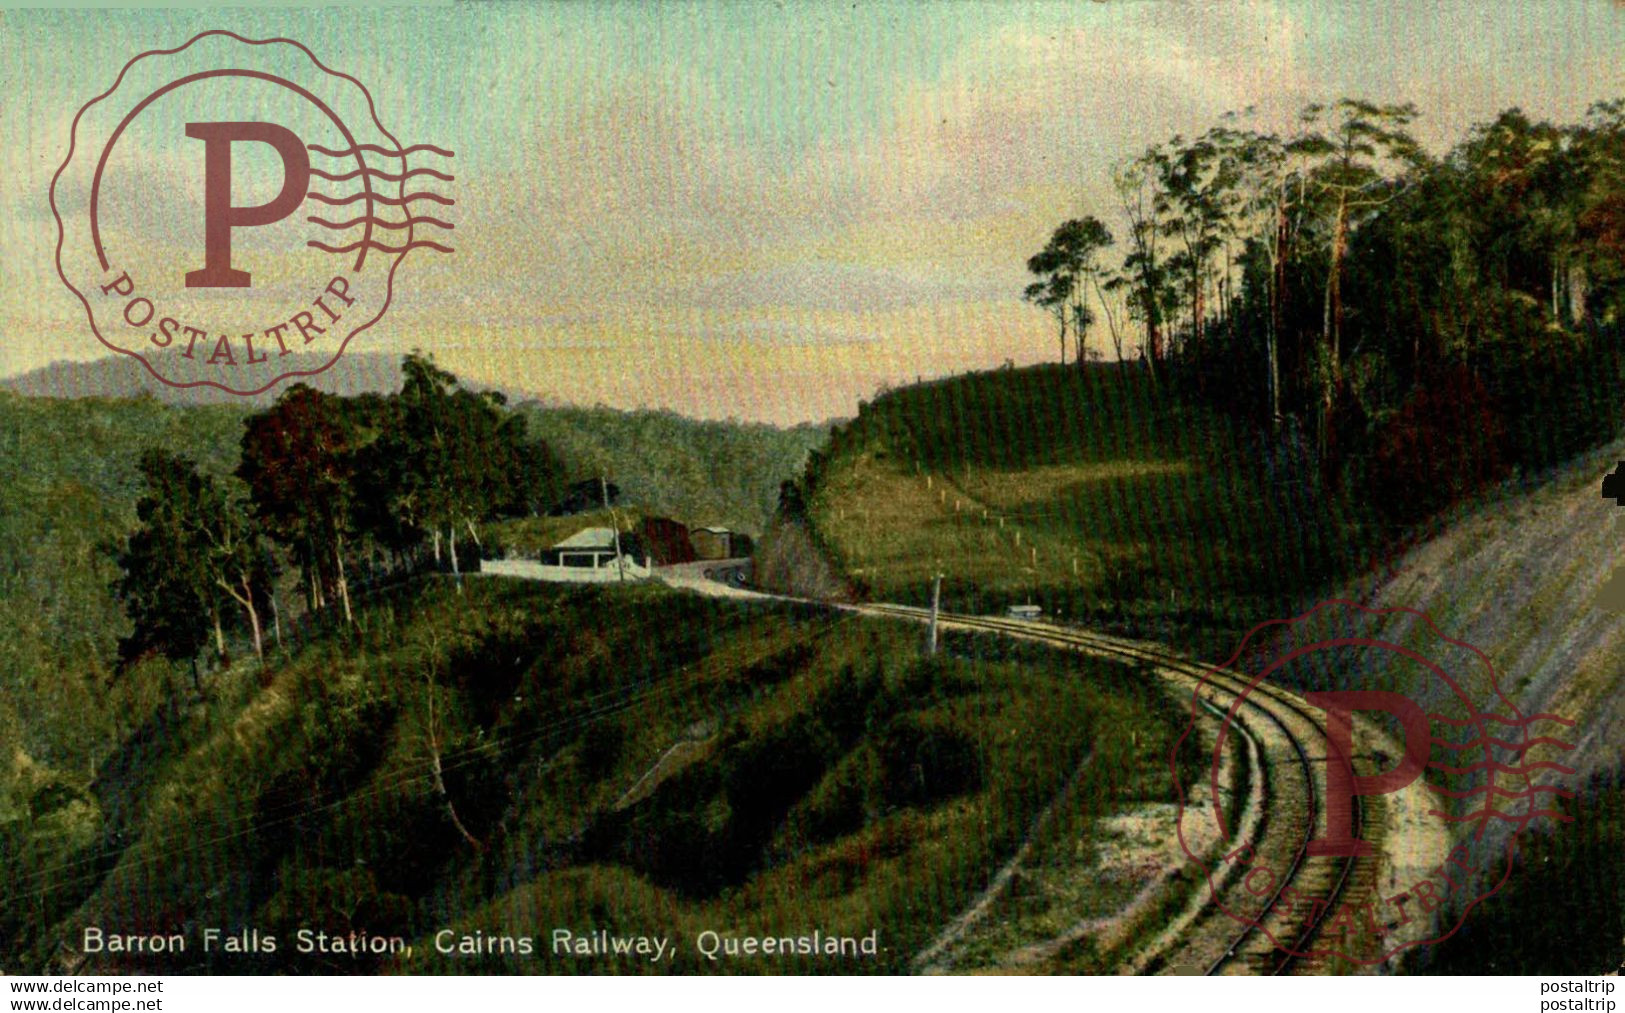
1204, 939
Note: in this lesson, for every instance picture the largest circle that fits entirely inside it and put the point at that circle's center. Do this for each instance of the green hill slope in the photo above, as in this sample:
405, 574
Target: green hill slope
1089, 492
68, 500
524, 757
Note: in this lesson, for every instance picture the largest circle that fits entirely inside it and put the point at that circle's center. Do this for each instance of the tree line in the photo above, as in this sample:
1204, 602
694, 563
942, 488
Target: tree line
1426, 323
333, 486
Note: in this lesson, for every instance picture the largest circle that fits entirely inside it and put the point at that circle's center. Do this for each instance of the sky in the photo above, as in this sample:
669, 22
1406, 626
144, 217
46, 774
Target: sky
770, 211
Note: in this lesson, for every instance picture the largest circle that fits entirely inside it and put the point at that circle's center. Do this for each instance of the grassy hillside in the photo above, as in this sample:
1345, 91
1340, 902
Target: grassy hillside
627, 759
1090, 492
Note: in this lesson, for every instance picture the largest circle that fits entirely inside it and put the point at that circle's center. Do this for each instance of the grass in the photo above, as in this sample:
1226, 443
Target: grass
838, 781
1091, 857
897, 868
1562, 910
1091, 492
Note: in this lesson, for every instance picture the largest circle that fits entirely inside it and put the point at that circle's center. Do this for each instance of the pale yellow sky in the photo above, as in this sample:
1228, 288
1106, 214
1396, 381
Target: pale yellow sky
770, 211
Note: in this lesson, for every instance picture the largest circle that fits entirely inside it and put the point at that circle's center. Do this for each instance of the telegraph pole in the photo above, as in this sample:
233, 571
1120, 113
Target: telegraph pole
936, 606
614, 525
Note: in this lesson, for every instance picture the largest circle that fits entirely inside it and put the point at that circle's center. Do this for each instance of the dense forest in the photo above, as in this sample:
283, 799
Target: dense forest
1412, 327
380, 484
98, 623
697, 471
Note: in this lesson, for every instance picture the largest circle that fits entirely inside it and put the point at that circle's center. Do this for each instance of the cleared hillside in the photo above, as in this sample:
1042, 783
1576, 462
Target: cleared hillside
1091, 492
70, 719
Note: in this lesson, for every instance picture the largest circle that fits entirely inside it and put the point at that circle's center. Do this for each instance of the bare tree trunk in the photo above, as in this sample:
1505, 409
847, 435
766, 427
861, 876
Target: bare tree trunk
344, 584
1153, 330
1111, 324
276, 617
439, 774
219, 634
1152, 350
1080, 329
1198, 306
253, 620
456, 570
451, 810
1579, 293
1277, 309
1283, 233
1331, 328
1332, 321
1275, 377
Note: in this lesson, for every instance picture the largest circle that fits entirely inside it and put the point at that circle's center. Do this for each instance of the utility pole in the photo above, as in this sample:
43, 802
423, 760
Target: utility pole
936, 607
614, 525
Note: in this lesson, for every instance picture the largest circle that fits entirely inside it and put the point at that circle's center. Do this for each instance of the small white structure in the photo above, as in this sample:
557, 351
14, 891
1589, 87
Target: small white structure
589, 547
1032, 613
711, 543
587, 557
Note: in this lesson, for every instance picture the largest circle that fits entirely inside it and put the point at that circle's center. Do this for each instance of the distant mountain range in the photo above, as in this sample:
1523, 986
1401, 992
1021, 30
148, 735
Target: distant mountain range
122, 376
703, 471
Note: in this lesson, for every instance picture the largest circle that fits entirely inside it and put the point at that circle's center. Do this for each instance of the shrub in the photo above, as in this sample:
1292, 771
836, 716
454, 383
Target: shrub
602, 746
843, 706
922, 764
769, 772
1445, 442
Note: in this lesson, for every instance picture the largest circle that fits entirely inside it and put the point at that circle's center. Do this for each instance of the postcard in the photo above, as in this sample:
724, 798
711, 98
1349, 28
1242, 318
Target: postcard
1097, 488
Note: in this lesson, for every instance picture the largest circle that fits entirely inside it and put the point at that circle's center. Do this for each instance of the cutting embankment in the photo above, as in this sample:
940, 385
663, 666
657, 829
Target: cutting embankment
1522, 577
1113, 505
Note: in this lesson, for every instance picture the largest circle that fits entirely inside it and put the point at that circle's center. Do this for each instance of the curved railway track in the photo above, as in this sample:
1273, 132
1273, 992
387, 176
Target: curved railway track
1209, 940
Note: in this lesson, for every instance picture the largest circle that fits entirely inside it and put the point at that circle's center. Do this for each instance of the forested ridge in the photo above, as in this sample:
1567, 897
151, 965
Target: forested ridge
1415, 326
1325, 340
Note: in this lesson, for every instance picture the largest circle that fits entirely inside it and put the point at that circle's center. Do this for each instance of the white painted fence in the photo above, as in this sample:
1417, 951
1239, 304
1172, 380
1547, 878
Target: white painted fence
529, 569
